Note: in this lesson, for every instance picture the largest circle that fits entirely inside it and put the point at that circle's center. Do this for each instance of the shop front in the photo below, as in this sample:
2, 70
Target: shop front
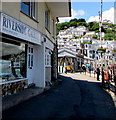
17, 42
49, 46
67, 61
13, 66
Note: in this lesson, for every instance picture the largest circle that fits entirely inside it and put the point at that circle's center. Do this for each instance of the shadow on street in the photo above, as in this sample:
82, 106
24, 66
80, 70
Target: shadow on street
71, 99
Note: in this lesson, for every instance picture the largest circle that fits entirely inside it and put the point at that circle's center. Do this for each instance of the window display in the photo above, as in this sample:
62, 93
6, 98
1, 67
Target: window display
13, 60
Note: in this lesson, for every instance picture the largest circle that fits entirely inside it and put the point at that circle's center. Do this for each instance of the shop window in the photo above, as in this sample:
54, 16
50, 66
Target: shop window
12, 61
29, 8
30, 57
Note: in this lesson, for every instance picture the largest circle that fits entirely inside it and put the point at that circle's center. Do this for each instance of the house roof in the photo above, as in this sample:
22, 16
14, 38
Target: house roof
66, 53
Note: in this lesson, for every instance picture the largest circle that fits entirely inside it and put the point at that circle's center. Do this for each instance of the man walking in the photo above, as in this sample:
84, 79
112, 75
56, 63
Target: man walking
98, 73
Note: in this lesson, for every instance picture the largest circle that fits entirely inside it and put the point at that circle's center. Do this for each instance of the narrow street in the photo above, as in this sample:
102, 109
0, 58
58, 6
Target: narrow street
76, 97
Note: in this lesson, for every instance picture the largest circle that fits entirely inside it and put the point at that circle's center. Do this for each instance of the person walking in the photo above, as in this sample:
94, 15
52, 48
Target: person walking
66, 69
98, 73
84, 69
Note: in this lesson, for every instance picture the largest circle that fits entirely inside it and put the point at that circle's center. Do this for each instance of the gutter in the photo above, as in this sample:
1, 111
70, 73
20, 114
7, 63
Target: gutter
69, 8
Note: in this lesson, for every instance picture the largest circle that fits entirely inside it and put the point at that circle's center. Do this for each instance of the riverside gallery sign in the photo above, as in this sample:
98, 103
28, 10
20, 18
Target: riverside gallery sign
15, 28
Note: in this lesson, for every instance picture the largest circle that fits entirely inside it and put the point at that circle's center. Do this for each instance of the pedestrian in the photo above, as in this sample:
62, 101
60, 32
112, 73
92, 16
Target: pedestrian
98, 73
66, 69
84, 69
110, 75
94, 72
89, 68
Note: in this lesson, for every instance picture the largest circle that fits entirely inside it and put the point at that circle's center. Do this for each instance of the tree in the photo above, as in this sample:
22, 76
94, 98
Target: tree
62, 26
94, 36
73, 20
82, 24
81, 20
110, 36
93, 26
77, 20
73, 24
90, 25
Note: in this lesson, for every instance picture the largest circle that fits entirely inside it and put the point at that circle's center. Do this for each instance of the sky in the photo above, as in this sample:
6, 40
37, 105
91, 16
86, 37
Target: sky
89, 11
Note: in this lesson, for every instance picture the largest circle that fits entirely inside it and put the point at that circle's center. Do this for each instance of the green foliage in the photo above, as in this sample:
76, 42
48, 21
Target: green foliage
73, 20
101, 49
90, 25
62, 26
93, 26
81, 20
94, 36
111, 25
114, 50
110, 36
84, 42
76, 37
106, 30
73, 24
77, 20
65, 38
82, 24
97, 31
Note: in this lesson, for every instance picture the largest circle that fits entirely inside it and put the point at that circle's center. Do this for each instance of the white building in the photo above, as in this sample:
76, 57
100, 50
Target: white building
29, 52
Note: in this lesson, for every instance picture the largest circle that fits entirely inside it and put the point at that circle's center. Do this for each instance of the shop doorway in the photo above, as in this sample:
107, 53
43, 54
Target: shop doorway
30, 64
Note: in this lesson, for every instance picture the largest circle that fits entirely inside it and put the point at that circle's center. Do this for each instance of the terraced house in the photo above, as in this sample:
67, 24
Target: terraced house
28, 43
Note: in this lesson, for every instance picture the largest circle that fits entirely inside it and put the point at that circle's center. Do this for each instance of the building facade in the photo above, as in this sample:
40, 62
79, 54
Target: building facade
28, 43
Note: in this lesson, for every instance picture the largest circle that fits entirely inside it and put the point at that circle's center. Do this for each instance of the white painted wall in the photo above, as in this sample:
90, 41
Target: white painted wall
39, 73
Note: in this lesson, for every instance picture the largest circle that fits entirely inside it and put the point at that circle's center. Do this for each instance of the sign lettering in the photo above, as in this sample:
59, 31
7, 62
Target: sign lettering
18, 29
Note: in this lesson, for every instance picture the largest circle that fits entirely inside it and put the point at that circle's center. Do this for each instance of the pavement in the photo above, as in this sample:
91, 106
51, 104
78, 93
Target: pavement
76, 97
112, 85
12, 100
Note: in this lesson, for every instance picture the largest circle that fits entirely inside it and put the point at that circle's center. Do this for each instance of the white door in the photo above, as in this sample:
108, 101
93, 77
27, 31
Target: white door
30, 64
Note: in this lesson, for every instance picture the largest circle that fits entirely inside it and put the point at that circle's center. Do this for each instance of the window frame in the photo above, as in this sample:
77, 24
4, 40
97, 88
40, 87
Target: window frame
30, 57
32, 9
47, 57
47, 19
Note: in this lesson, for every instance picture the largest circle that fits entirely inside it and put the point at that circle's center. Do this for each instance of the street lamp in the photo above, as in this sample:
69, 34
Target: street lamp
101, 50
100, 23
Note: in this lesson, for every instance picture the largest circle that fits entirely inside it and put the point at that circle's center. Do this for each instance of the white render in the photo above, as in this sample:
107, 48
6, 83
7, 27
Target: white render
36, 35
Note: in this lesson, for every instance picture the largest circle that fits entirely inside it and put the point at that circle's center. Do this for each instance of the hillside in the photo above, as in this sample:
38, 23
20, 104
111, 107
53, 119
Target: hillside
108, 28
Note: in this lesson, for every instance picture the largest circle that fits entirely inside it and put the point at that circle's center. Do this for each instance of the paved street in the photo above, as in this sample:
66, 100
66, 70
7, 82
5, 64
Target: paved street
76, 97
